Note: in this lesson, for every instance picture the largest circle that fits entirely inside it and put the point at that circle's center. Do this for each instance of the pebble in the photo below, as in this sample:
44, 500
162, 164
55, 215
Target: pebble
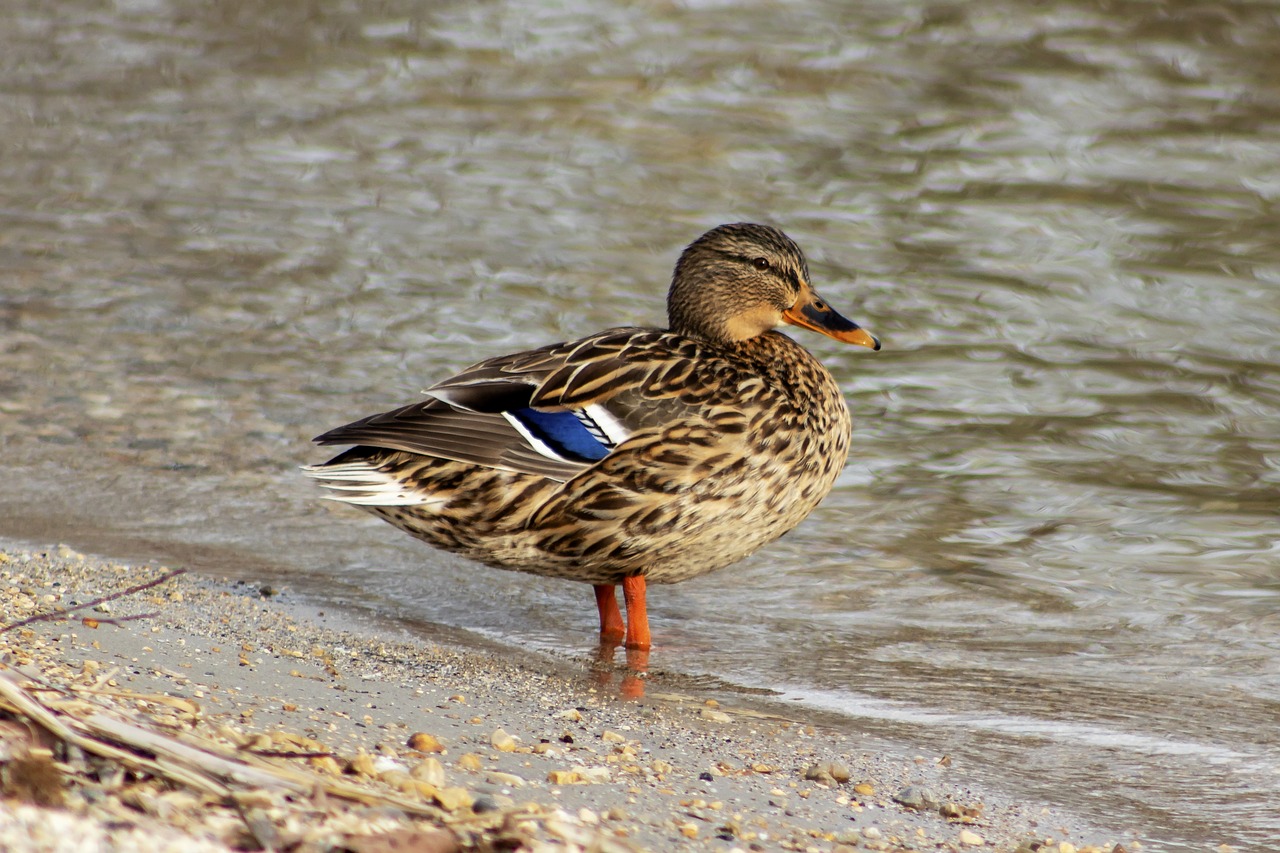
612, 737
396, 779
429, 770
970, 838
453, 799
953, 811
502, 741
564, 777
916, 797
326, 764
595, 774
424, 742
362, 764
716, 717
829, 773
470, 761
511, 780
864, 789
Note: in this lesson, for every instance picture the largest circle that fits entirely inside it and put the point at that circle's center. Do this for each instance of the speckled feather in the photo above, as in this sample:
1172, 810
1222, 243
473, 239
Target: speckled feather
729, 443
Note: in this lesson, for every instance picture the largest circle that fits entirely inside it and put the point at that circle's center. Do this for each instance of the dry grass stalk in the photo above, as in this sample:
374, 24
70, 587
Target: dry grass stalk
55, 615
191, 762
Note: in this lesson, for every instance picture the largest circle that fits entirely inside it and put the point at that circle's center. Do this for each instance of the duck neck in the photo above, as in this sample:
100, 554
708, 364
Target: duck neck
782, 361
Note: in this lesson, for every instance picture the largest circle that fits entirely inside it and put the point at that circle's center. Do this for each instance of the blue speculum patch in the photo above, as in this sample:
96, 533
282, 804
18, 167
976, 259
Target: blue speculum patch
563, 433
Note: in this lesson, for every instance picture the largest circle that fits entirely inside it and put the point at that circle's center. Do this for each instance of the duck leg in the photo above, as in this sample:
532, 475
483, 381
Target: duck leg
611, 628
633, 589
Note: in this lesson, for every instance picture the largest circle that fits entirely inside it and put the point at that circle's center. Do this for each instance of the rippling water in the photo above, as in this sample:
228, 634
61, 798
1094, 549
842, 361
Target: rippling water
228, 227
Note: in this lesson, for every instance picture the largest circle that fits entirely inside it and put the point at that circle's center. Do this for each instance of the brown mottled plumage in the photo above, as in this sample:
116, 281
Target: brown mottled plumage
631, 455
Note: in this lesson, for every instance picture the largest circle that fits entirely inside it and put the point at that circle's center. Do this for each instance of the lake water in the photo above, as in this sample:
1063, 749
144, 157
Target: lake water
228, 227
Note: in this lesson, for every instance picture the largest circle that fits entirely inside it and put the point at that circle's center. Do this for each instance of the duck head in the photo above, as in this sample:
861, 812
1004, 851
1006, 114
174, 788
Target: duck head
739, 281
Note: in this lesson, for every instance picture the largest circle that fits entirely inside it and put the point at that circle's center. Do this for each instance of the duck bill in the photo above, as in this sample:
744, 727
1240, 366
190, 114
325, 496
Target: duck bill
813, 313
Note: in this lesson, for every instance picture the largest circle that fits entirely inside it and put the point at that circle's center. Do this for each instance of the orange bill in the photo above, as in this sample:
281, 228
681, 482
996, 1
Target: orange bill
812, 312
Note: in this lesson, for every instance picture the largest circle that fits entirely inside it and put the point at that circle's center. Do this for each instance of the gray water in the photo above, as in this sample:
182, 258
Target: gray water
227, 227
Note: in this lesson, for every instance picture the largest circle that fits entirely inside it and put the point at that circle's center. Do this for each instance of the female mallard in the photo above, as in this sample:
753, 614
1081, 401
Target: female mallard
632, 455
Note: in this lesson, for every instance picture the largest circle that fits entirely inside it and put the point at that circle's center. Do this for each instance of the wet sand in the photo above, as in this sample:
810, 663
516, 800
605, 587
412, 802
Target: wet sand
499, 749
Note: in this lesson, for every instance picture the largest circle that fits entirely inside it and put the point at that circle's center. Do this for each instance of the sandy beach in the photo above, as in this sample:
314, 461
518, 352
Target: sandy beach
391, 743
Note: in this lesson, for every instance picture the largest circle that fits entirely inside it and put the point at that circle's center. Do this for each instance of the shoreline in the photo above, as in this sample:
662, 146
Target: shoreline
499, 749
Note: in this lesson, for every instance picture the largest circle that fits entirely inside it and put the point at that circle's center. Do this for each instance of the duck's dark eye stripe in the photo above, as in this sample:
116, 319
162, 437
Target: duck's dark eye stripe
758, 261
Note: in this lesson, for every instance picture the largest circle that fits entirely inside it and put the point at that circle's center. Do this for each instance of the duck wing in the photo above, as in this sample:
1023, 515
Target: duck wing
551, 412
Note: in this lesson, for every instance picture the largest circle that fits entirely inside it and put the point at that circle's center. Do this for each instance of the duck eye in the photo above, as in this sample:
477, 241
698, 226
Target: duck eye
761, 264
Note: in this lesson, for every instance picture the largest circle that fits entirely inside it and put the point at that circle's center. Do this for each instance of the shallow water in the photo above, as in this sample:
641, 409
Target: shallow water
228, 227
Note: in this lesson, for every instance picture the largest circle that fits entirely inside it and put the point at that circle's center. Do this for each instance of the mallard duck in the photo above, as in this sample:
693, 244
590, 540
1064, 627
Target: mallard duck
631, 456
